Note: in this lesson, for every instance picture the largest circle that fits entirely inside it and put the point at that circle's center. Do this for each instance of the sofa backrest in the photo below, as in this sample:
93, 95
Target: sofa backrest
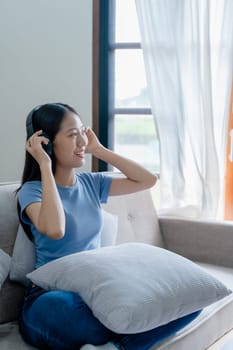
137, 221
137, 218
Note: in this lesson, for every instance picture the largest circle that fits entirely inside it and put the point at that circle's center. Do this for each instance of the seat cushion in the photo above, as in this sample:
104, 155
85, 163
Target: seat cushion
213, 322
10, 338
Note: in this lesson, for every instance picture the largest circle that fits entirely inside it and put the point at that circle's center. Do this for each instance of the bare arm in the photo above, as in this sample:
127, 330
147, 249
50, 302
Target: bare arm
48, 215
136, 178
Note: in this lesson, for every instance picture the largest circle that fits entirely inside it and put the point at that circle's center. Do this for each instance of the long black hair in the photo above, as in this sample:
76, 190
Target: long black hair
47, 117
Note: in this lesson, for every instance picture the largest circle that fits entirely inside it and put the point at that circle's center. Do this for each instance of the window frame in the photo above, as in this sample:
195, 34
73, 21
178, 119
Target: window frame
100, 90
103, 73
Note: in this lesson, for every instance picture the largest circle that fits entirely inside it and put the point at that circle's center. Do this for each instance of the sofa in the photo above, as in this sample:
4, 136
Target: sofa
207, 243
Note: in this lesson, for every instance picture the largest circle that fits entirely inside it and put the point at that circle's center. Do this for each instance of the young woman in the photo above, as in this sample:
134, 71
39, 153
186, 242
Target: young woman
62, 211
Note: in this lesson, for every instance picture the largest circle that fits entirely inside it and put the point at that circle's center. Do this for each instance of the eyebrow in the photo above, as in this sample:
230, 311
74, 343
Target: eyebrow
71, 129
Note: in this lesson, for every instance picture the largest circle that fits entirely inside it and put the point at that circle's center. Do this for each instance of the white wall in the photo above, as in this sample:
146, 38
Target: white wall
45, 56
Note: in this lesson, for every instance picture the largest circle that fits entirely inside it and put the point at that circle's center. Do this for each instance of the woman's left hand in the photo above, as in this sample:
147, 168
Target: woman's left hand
136, 177
93, 141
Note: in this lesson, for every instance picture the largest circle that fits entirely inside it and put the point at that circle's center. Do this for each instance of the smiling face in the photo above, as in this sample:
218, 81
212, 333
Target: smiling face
70, 143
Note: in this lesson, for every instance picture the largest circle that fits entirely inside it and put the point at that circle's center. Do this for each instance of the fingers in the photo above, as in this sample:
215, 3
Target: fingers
89, 132
36, 139
87, 129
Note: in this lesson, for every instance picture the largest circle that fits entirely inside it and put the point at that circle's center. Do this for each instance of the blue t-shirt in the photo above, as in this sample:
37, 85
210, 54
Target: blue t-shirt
82, 207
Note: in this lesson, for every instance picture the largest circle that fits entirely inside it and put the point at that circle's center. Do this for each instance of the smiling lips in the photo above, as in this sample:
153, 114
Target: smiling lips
80, 154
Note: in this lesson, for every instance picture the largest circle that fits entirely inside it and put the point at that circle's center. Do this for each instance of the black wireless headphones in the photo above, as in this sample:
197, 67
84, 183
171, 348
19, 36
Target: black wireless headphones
30, 130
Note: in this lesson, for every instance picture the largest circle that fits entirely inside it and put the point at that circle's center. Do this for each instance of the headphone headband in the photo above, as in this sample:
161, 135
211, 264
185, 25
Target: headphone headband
29, 121
31, 131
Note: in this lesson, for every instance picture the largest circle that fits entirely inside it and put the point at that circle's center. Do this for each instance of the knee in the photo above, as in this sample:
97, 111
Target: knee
64, 315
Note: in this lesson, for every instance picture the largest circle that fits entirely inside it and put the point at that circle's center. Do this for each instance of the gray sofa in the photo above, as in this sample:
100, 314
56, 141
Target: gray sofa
208, 243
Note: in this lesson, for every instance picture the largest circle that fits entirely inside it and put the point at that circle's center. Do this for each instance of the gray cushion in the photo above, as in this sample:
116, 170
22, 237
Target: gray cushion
23, 257
8, 217
11, 293
5, 262
124, 282
109, 229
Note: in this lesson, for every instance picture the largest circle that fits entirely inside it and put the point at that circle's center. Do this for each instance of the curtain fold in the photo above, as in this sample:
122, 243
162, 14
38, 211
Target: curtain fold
188, 53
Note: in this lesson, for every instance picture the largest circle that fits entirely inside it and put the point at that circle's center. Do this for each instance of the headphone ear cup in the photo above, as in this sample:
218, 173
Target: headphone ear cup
49, 147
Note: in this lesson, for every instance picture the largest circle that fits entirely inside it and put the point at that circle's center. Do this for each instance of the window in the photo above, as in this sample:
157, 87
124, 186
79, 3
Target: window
122, 113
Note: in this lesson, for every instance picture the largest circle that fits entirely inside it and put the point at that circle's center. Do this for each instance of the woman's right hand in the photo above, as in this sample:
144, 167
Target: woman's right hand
47, 215
34, 147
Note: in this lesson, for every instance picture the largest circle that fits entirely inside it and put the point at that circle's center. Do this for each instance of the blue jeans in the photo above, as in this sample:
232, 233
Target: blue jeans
60, 320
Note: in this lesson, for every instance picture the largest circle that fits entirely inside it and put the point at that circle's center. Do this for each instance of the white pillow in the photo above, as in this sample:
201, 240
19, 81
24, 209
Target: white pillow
132, 287
24, 257
5, 262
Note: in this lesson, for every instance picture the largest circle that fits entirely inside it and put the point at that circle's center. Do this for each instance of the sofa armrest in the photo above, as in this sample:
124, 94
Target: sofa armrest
204, 241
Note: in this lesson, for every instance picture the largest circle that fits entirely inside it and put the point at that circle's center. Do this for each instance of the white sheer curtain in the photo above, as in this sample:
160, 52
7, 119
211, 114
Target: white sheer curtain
188, 54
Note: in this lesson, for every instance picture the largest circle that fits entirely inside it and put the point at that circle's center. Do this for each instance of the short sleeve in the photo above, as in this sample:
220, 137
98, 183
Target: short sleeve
30, 192
105, 184
97, 183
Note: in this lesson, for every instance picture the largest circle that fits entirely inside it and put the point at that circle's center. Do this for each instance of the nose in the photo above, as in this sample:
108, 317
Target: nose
82, 140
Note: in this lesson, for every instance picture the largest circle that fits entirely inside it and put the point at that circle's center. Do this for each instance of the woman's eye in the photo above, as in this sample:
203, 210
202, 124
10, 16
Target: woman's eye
81, 131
